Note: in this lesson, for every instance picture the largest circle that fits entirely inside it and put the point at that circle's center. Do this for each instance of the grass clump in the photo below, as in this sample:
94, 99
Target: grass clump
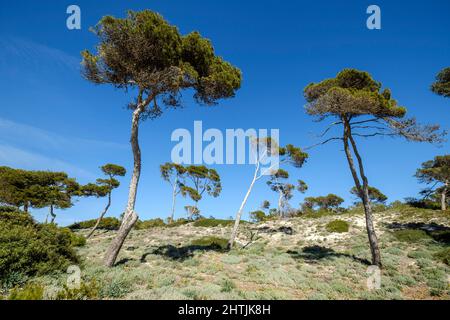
227, 286
86, 291
210, 241
443, 255
337, 226
411, 235
116, 288
30, 291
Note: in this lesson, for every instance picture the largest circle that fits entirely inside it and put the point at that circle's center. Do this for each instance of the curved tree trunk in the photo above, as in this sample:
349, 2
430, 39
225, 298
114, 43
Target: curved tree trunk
444, 197
239, 213
363, 191
101, 217
130, 217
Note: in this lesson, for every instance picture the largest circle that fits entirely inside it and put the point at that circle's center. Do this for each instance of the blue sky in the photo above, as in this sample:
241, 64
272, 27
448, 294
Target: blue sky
51, 118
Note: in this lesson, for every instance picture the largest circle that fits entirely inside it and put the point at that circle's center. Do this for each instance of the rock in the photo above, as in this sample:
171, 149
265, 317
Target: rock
287, 230
283, 229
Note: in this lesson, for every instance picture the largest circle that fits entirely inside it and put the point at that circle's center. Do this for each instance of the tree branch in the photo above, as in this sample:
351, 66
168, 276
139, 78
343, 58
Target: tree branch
373, 134
365, 121
323, 142
329, 128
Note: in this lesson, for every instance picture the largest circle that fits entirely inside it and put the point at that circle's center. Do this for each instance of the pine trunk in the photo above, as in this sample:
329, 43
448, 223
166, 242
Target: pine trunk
363, 191
174, 195
280, 203
444, 197
239, 213
130, 217
100, 218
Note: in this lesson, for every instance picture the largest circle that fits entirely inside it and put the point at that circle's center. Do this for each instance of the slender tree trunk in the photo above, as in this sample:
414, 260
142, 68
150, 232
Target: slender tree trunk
130, 217
239, 213
174, 196
52, 213
101, 217
444, 196
195, 210
363, 191
280, 203
25, 207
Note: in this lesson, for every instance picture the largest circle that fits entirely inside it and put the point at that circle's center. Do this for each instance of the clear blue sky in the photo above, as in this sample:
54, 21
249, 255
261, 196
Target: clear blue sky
50, 118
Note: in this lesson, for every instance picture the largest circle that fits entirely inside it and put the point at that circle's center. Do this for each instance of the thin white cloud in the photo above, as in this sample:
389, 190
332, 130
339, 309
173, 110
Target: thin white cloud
18, 133
28, 147
20, 158
34, 54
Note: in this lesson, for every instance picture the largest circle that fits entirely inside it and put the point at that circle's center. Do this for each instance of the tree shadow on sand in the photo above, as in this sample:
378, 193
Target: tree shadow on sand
314, 254
123, 261
180, 253
438, 232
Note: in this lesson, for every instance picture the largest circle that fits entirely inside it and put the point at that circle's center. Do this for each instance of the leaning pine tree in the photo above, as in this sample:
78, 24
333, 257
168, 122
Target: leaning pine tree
104, 188
263, 149
442, 84
144, 54
437, 173
362, 109
174, 174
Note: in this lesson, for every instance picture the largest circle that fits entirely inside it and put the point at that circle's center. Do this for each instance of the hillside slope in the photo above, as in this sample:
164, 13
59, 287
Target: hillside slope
286, 259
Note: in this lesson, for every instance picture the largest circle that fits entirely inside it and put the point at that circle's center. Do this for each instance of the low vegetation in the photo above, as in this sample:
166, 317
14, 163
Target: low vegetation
338, 226
411, 235
211, 242
190, 262
28, 248
212, 223
105, 224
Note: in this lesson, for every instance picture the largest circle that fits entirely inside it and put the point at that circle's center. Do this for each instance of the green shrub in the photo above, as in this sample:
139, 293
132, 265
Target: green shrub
212, 223
411, 235
178, 222
117, 288
16, 217
30, 292
86, 291
258, 216
444, 256
29, 248
319, 213
76, 240
8, 209
109, 223
148, 224
423, 203
11, 280
338, 226
211, 241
